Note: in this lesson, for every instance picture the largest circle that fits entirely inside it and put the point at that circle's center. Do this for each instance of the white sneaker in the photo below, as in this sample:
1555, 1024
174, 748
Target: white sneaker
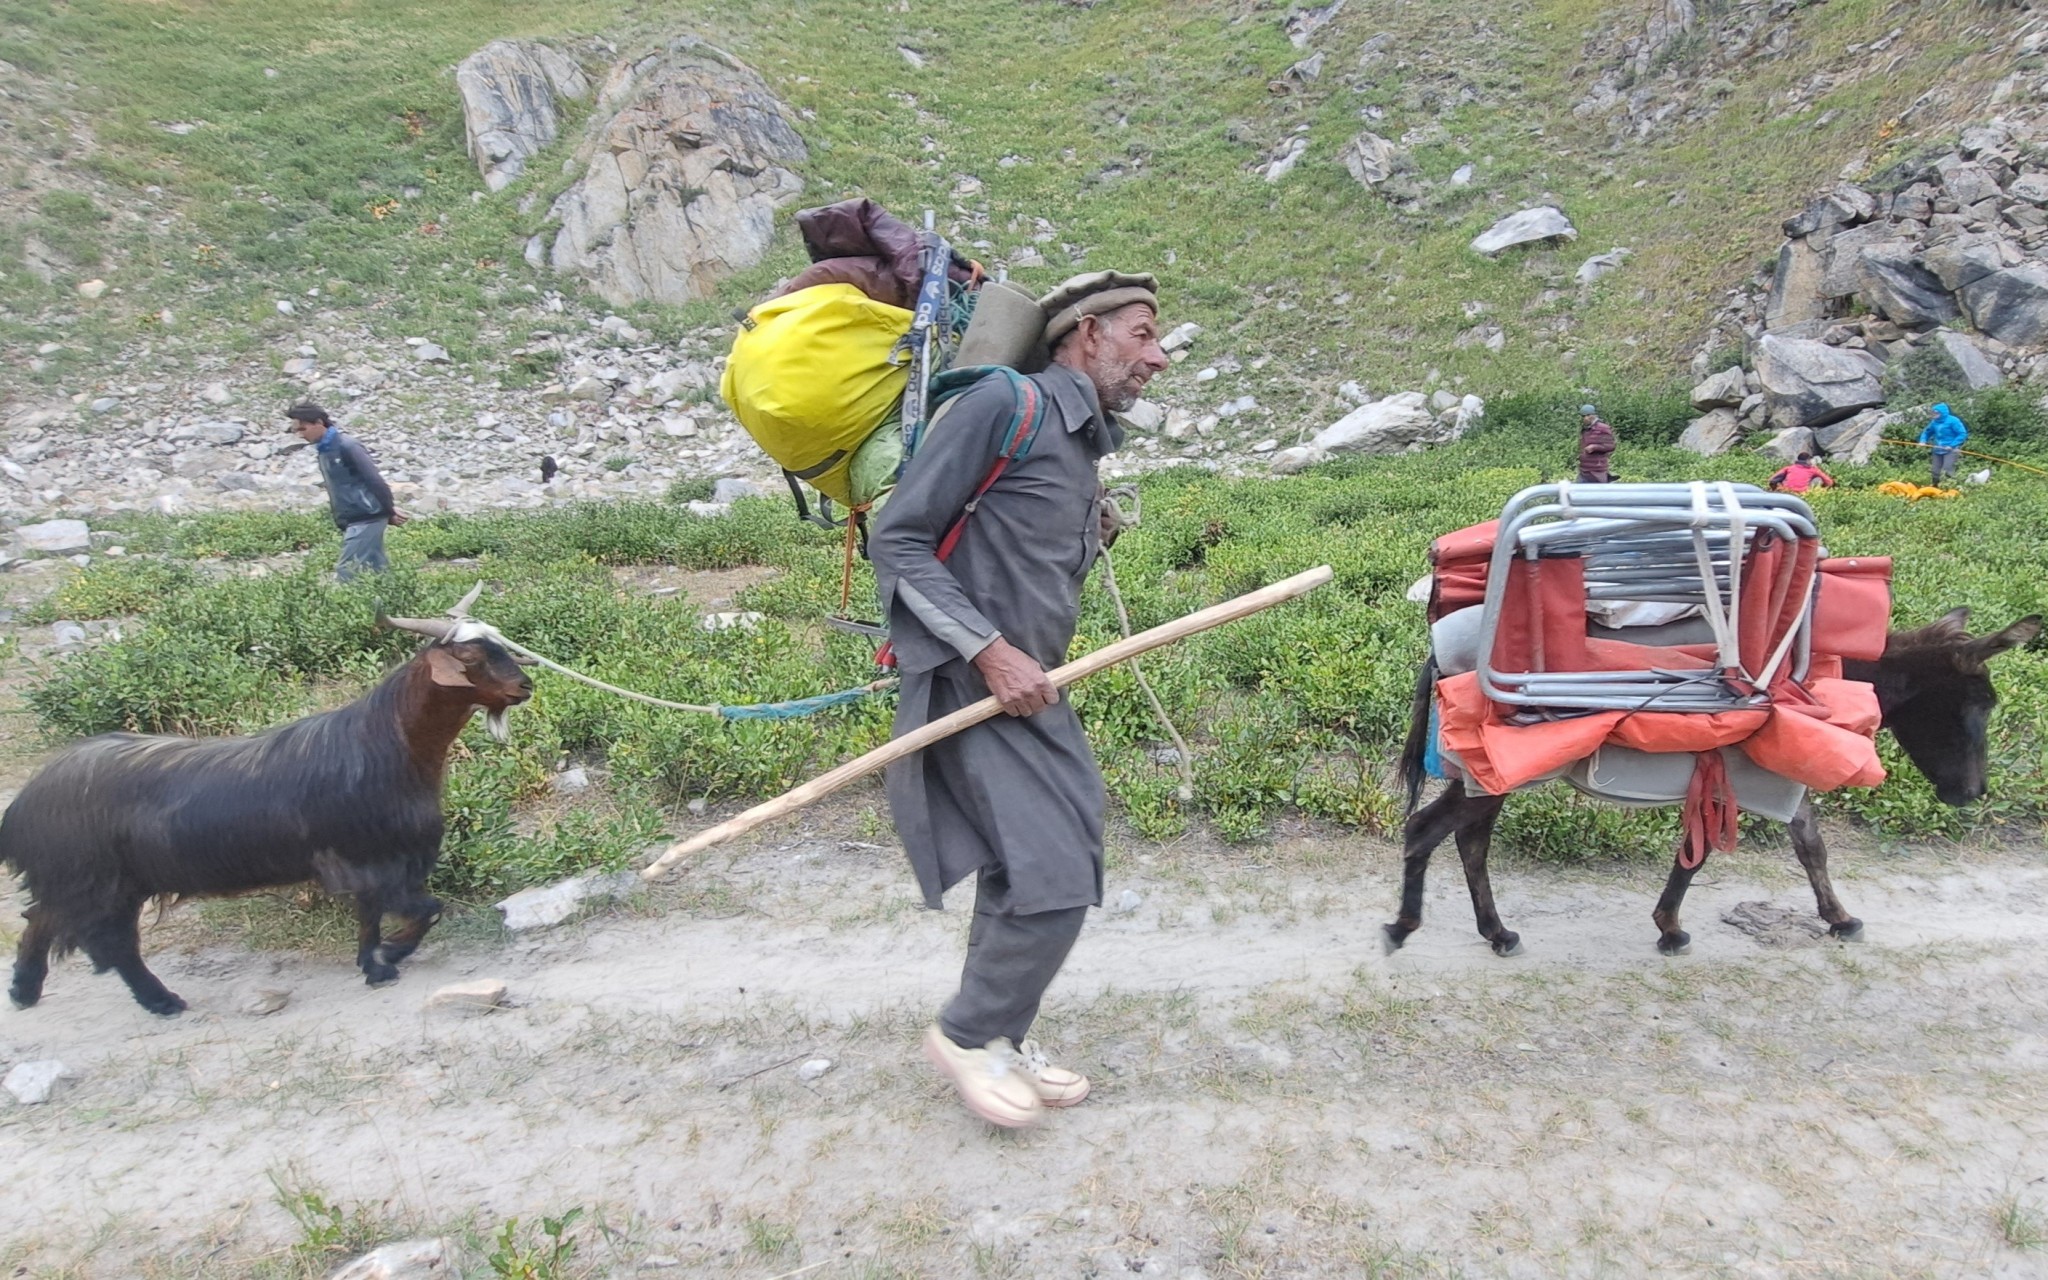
993, 1083
1057, 1086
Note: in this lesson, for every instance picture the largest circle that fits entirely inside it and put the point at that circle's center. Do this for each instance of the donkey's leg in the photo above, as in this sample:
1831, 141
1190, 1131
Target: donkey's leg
1475, 840
1813, 855
1672, 940
1423, 832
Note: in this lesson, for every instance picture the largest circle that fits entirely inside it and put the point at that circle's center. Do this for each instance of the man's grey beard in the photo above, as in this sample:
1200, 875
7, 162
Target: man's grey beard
1118, 401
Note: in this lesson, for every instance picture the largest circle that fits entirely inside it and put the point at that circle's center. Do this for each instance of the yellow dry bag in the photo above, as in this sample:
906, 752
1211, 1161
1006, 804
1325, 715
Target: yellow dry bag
809, 377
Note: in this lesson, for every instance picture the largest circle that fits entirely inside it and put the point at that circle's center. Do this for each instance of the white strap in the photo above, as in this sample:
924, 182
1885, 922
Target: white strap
1732, 655
1718, 617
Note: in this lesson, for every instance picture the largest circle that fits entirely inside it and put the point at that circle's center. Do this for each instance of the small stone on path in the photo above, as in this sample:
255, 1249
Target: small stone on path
264, 1001
32, 1083
477, 996
811, 1070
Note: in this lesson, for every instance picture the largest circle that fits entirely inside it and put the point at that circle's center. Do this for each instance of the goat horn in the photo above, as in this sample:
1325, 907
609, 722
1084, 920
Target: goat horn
439, 628
461, 609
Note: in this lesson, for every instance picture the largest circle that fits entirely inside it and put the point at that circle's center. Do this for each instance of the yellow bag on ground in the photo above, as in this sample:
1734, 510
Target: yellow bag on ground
809, 378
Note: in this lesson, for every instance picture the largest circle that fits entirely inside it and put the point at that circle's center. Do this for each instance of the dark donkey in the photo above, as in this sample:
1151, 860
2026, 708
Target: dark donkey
1933, 688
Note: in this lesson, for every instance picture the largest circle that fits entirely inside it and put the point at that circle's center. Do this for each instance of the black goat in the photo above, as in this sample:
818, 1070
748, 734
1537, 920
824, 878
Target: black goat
351, 798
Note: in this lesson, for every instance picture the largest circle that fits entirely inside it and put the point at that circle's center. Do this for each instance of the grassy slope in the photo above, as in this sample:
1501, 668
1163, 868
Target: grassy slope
1135, 124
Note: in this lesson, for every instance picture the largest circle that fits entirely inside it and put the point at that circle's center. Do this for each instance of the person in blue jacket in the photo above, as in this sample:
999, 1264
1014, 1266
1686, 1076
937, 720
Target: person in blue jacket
1944, 436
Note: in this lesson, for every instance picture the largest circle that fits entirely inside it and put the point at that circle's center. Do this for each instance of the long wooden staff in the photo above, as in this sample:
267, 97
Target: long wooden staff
1108, 656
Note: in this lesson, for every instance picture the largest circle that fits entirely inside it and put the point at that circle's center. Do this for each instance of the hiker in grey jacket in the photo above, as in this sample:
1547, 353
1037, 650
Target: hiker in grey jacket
357, 495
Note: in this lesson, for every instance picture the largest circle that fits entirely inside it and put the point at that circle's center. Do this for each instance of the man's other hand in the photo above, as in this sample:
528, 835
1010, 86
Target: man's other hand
1017, 681
398, 517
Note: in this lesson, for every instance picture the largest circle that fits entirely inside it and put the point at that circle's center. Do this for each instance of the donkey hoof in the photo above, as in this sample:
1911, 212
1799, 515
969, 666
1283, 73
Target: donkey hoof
1850, 930
22, 998
1676, 943
1507, 943
376, 973
1391, 938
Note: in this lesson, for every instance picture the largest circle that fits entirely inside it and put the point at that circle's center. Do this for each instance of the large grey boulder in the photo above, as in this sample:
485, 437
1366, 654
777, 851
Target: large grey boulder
2011, 304
1842, 273
1854, 440
510, 90
1402, 423
1725, 390
686, 161
1959, 264
55, 537
1844, 206
1713, 434
1530, 226
1810, 384
1975, 367
1371, 159
1894, 283
1787, 445
1795, 296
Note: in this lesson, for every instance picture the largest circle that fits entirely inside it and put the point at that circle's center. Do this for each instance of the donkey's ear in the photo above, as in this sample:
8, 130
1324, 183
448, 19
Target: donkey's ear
1953, 625
2019, 633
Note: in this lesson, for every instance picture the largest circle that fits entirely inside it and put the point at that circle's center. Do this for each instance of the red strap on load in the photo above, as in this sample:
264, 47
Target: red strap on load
1708, 822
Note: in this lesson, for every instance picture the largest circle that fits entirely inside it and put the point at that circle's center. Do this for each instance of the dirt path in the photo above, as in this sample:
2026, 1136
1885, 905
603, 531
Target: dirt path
1275, 1096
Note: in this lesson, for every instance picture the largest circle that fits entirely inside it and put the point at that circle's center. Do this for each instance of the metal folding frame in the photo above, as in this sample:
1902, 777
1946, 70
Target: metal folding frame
1639, 542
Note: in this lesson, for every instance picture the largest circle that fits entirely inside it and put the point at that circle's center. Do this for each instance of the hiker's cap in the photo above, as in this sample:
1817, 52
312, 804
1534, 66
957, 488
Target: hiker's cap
1587, 411
1093, 294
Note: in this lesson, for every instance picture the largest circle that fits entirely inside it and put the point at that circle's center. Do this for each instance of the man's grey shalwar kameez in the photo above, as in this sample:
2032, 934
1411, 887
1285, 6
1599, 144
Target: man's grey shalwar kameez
1017, 801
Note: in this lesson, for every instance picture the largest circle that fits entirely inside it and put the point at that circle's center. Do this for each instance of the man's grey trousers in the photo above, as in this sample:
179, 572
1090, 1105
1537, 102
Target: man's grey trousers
1011, 960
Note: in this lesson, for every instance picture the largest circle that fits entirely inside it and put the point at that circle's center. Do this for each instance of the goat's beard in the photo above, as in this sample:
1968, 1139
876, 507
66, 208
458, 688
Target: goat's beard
496, 722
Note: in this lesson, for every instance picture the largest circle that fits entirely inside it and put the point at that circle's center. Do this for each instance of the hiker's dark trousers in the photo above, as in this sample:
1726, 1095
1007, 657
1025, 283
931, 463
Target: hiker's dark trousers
1011, 960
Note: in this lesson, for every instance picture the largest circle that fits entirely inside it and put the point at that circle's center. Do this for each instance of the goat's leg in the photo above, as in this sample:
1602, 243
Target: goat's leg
1423, 832
32, 959
1672, 940
369, 937
1813, 855
1475, 841
114, 941
421, 912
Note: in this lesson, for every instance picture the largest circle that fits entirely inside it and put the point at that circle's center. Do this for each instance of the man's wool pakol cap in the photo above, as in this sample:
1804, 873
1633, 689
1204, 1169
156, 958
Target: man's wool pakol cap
1093, 294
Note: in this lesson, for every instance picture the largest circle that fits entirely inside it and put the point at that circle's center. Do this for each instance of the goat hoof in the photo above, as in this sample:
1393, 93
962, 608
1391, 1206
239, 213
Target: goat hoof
1676, 943
168, 1005
377, 974
1850, 930
24, 999
1391, 938
1507, 943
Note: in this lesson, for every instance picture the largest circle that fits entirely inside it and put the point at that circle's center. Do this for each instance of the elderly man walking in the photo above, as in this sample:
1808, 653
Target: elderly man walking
1016, 801
356, 493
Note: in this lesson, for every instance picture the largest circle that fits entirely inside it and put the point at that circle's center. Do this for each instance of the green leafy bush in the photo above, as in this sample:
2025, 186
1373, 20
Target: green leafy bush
113, 588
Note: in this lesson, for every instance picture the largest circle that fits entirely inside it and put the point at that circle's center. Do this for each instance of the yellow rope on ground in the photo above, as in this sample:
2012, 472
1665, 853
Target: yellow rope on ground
1915, 444
1914, 492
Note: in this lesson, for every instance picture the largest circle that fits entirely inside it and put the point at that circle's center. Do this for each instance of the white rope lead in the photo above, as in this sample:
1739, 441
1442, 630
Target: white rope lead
1185, 758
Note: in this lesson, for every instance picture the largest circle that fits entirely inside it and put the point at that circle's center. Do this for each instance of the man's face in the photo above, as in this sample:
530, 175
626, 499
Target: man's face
310, 432
1120, 353
1586, 419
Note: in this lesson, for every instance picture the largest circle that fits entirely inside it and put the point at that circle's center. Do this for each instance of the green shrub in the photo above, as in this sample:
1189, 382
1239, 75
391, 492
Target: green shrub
112, 588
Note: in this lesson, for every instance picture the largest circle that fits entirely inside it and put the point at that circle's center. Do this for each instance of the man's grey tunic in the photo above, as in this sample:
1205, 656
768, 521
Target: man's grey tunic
1022, 794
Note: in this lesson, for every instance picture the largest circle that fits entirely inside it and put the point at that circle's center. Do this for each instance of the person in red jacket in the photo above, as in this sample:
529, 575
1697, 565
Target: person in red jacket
1801, 476
1596, 446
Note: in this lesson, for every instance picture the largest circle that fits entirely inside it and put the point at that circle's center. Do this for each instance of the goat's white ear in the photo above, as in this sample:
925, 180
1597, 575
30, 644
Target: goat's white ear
447, 670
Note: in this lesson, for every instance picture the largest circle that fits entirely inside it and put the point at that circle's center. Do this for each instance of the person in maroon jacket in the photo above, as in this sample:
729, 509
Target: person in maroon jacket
1596, 446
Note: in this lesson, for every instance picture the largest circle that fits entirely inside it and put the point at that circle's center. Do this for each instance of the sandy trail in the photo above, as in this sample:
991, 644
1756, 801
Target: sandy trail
1275, 1097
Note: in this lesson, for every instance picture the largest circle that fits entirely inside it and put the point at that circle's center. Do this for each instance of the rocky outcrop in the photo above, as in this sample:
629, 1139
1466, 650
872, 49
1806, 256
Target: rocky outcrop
686, 160
1972, 367
511, 95
1854, 440
1725, 390
1544, 223
1807, 383
1403, 423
